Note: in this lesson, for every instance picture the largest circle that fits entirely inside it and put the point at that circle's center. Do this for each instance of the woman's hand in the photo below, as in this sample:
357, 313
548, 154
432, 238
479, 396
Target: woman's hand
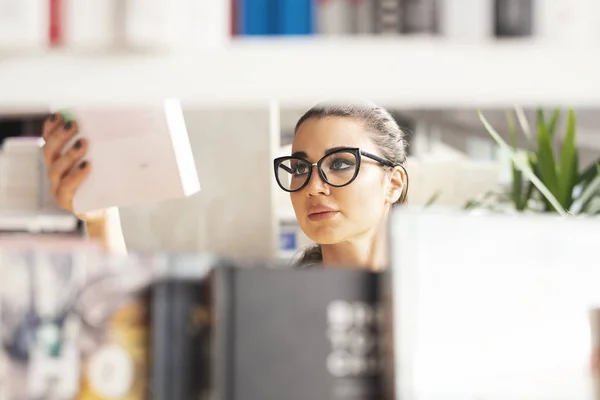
65, 171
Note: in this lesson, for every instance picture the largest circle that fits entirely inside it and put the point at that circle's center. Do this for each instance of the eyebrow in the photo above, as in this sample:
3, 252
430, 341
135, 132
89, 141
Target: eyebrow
303, 154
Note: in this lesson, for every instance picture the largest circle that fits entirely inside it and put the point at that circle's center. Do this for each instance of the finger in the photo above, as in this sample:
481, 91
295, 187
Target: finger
65, 163
70, 183
52, 122
57, 140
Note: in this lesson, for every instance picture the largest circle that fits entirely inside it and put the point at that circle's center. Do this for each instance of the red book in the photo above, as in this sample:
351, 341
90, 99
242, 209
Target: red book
56, 23
233, 17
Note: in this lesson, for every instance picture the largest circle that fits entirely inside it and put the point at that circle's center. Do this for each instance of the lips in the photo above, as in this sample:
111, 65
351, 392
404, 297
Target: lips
320, 213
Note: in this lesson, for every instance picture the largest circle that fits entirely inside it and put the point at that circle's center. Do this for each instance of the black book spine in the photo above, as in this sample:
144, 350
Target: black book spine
222, 340
420, 16
514, 18
388, 17
296, 335
179, 320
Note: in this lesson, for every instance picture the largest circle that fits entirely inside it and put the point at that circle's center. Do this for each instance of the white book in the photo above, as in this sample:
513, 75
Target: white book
571, 22
24, 24
93, 24
364, 13
209, 23
158, 24
467, 19
474, 319
334, 17
137, 156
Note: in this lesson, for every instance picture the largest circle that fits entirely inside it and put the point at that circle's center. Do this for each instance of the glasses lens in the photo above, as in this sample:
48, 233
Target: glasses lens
339, 168
292, 173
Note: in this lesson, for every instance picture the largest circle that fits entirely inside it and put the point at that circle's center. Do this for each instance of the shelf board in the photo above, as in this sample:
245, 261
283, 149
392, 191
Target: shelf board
414, 73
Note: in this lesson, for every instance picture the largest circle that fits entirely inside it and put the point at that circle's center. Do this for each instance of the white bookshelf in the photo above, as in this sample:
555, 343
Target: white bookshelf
416, 73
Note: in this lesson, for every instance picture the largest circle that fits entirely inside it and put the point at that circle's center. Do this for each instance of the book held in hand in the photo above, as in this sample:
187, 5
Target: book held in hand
137, 156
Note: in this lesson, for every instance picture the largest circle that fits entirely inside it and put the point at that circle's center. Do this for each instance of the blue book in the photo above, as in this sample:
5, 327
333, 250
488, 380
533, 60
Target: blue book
254, 17
295, 17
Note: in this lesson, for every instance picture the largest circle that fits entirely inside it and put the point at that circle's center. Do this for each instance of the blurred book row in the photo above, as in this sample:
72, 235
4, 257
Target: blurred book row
190, 23
462, 19
77, 324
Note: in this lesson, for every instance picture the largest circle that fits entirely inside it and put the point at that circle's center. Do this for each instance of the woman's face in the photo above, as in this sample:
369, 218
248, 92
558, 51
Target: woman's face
357, 209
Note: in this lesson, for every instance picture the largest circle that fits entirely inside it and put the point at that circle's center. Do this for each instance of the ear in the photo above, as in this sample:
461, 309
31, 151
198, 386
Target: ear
397, 181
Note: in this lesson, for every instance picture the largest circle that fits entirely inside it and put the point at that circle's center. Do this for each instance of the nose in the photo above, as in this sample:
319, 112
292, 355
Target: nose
316, 185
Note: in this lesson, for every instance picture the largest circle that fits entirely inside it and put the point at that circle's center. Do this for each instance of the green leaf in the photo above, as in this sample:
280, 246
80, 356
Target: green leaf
553, 122
512, 130
517, 188
525, 127
568, 163
517, 176
523, 166
528, 194
592, 190
589, 173
433, 198
545, 158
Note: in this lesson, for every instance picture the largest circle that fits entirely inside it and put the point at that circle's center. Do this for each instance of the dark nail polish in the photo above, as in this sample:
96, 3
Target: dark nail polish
83, 165
77, 145
52, 117
68, 125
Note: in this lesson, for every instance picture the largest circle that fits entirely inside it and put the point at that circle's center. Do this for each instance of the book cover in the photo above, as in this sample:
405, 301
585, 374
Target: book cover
571, 22
420, 16
73, 322
334, 17
138, 156
296, 334
294, 17
513, 18
388, 18
467, 19
466, 312
254, 17
181, 345
363, 17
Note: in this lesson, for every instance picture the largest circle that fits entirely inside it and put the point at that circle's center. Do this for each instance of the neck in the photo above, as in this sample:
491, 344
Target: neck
368, 251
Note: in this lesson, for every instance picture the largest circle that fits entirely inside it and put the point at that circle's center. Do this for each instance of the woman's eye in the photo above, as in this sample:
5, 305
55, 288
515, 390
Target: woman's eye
341, 164
299, 170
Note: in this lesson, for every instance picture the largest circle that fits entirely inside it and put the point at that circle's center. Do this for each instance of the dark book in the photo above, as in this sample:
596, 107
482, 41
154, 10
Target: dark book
420, 16
388, 17
514, 18
296, 334
180, 362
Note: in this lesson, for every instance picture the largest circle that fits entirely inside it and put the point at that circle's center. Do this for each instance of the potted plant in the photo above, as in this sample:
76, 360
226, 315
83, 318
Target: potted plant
545, 175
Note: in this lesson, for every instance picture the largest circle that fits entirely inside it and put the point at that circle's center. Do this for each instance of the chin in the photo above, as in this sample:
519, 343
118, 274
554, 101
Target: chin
324, 234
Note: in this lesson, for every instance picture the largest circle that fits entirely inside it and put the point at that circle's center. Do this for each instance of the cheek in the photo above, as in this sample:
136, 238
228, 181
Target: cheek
297, 201
365, 195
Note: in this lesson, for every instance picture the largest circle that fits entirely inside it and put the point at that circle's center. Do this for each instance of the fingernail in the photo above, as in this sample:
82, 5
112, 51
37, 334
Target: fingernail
83, 165
68, 125
77, 145
52, 117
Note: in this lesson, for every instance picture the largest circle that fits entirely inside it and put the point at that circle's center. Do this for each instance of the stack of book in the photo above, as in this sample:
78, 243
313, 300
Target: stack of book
22, 175
118, 24
80, 324
460, 19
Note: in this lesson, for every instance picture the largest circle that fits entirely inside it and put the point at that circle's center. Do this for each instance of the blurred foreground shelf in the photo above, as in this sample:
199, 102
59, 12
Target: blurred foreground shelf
419, 73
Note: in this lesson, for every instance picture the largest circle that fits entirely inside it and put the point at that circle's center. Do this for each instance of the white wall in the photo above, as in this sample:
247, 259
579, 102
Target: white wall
233, 213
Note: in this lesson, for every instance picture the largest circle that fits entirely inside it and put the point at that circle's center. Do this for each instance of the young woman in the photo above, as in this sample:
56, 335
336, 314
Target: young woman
346, 172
